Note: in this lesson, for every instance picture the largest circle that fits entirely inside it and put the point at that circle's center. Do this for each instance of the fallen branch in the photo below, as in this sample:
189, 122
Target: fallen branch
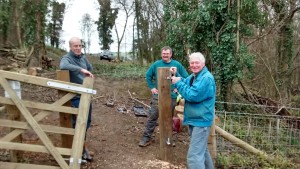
138, 100
95, 98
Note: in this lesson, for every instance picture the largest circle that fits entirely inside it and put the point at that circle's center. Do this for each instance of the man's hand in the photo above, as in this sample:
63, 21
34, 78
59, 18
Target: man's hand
154, 91
175, 79
87, 73
173, 70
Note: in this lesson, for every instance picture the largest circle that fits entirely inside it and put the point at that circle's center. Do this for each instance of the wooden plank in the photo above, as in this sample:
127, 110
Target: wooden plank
165, 115
80, 127
37, 80
41, 115
26, 114
42, 106
32, 148
46, 128
65, 119
64, 99
7, 165
10, 136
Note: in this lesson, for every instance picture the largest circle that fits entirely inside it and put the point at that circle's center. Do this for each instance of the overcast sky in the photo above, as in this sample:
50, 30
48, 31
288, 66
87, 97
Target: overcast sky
71, 26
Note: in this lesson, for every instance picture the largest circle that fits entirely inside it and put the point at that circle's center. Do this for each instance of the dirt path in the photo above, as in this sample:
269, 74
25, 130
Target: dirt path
114, 135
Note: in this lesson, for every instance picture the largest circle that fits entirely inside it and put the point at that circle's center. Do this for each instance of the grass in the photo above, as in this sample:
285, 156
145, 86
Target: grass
119, 70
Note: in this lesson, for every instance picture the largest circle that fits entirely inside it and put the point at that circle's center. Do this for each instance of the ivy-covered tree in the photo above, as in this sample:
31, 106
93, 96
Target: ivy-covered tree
10, 16
34, 24
210, 26
5, 9
284, 14
105, 23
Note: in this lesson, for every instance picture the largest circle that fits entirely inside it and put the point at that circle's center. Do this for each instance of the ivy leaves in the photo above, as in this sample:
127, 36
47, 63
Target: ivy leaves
210, 27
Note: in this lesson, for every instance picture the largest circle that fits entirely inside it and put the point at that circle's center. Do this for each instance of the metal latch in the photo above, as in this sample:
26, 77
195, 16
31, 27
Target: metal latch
70, 87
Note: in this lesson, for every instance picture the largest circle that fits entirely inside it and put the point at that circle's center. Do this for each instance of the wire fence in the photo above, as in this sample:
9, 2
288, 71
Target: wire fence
265, 132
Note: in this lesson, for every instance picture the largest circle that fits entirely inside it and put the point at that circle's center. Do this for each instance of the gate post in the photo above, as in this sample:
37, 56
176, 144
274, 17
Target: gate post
65, 118
165, 115
212, 142
14, 114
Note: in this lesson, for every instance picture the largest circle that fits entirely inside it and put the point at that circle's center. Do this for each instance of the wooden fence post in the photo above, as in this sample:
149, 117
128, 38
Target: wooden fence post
165, 114
65, 118
212, 142
14, 114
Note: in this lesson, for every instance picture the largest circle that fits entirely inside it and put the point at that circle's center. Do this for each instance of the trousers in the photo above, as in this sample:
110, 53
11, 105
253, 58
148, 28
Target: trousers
152, 120
198, 156
75, 103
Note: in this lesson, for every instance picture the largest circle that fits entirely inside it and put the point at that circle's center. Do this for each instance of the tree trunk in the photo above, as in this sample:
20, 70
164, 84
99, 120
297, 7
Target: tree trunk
14, 31
39, 46
284, 50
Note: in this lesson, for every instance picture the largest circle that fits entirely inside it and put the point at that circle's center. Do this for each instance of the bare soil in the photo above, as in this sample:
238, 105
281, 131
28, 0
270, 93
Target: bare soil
115, 132
114, 135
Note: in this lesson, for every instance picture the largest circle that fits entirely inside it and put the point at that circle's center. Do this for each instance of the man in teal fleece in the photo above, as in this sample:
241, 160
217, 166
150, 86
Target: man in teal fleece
79, 68
151, 78
199, 92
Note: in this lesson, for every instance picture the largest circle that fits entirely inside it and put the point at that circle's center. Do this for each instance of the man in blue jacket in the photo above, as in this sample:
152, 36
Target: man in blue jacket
79, 68
199, 92
151, 78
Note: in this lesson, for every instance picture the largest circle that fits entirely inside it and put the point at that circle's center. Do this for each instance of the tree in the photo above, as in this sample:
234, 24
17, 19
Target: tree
5, 9
105, 23
210, 27
35, 12
10, 23
150, 33
56, 22
285, 49
128, 9
86, 30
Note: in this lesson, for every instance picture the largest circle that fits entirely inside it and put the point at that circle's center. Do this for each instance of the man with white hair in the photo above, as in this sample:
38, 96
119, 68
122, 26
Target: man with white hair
199, 92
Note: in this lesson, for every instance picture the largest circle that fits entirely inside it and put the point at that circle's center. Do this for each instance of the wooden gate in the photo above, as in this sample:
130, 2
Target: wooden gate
32, 122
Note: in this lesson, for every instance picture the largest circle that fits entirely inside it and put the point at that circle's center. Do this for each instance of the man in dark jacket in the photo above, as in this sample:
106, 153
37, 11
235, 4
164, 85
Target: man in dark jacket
79, 68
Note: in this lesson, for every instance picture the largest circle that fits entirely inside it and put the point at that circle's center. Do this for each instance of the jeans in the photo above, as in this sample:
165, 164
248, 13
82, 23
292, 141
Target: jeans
75, 103
152, 120
198, 156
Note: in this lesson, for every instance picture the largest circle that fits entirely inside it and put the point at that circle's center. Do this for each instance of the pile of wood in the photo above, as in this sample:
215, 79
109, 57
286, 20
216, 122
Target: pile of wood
13, 57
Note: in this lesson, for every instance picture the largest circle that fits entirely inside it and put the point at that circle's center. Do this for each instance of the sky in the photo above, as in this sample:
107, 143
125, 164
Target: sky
75, 9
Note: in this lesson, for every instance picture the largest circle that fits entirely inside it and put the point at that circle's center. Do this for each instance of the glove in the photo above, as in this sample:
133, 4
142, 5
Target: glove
179, 97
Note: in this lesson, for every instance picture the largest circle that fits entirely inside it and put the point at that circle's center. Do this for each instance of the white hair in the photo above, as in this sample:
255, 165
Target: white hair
197, 56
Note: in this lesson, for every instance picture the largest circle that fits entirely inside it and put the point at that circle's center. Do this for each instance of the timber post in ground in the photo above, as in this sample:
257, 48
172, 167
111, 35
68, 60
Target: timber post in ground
165, 114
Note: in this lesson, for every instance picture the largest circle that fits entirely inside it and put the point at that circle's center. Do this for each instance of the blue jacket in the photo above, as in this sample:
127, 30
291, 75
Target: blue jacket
200, 96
